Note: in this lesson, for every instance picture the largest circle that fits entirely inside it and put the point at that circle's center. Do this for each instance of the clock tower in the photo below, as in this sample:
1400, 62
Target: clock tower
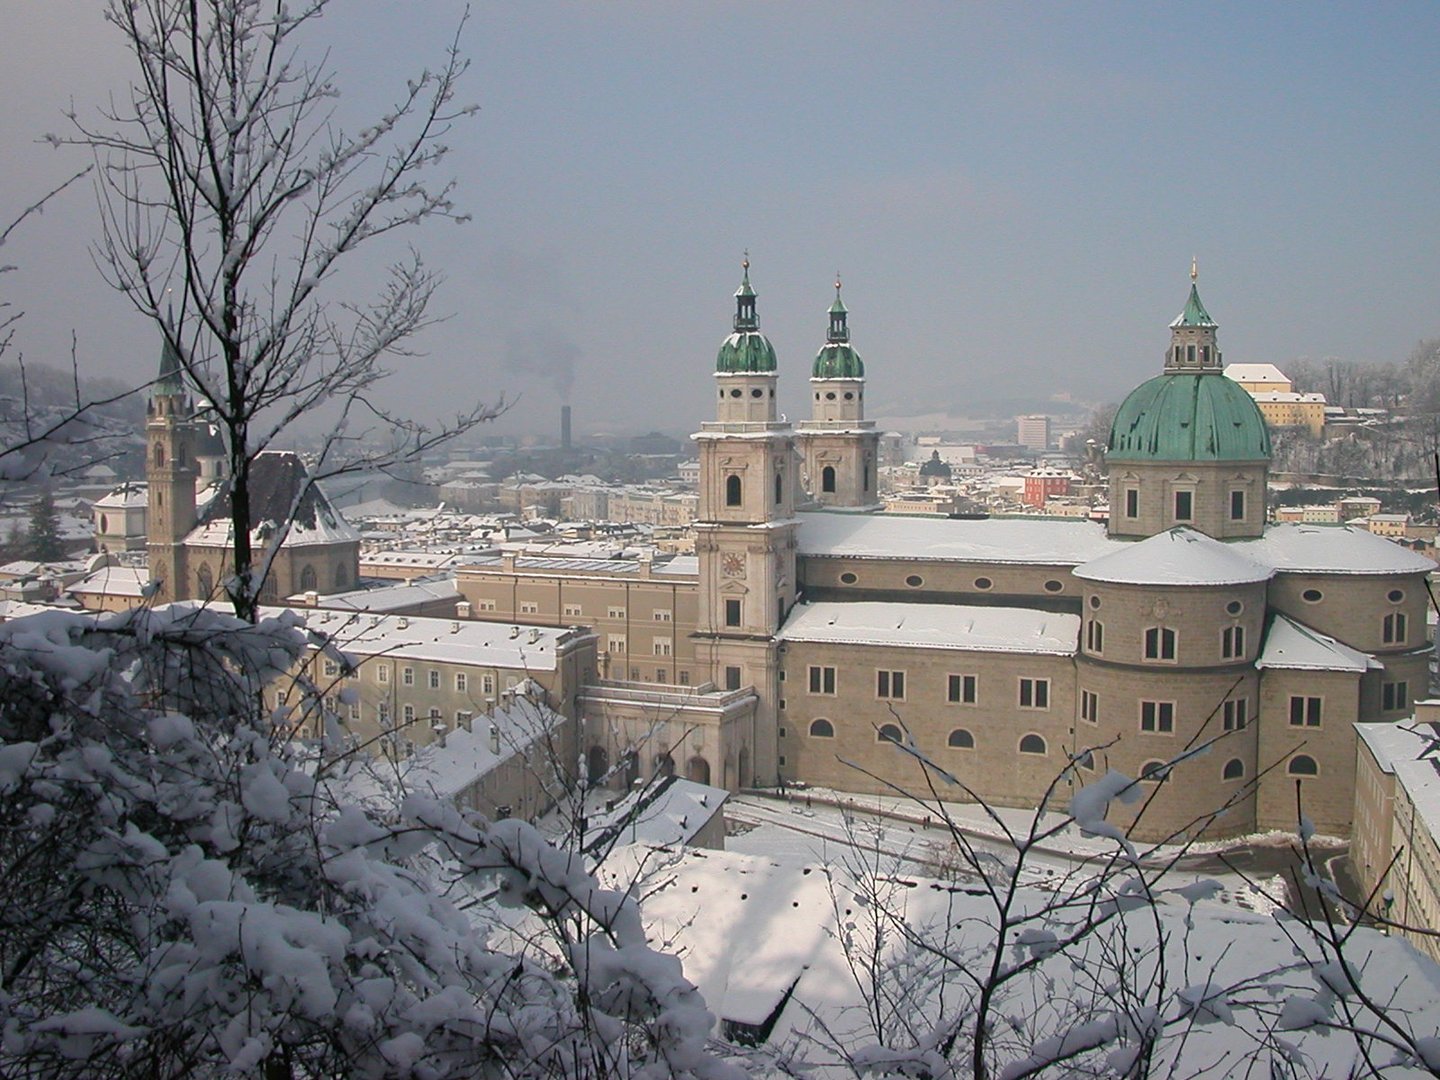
745, 535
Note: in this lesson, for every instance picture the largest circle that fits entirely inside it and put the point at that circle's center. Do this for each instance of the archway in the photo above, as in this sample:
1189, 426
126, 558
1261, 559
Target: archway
599, 764
698, 770
631, 768
664, 765
827, 478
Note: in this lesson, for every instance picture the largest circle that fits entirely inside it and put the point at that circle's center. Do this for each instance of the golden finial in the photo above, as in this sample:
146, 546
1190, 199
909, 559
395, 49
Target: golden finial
837, 283
1194, 269
745, 262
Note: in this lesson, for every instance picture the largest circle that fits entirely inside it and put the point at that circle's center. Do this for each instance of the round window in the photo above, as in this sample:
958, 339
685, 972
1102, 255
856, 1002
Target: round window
734, 393
983, 583
830, 395
849, 395
848, 578
1234, 607
1053, 586
1312, 596
1094, 601
757, 392
914, 581
1395, 595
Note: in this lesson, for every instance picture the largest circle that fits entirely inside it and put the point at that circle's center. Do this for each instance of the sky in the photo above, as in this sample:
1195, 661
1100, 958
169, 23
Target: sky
1012, 194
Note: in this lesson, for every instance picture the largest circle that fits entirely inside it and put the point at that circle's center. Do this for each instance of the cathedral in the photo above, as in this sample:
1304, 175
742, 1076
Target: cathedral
814, 641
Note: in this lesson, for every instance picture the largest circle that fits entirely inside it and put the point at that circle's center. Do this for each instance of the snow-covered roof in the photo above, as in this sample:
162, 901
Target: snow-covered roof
1256, 373
468, 756
453, 641
134, 495
1392, 743
663, 814
990, 540
394, 597
112, 581
1331, 549
1175, 557
934, 626
1291, 645
280, 490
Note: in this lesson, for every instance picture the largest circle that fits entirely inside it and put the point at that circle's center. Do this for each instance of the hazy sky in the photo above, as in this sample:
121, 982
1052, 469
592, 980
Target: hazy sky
1012, 193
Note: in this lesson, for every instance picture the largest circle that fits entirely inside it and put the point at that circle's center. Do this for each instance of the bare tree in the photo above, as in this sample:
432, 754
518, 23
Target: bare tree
230, 196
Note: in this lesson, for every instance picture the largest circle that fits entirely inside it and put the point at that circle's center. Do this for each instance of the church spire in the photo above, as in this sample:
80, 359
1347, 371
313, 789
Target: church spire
746, 320
1192, 334
839, 331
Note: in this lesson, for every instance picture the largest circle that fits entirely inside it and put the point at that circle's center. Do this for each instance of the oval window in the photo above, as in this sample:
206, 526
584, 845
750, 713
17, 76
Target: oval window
757, 393
914, 581
849, 395
983, 583
1395, 596
1053, 586
1234, 607
1094, 601
830, 395
848, 578
734, 393
1312, 596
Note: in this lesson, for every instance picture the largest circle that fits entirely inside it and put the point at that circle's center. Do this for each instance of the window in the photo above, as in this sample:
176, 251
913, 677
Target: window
983, 583
732, 678
407, 713
661, 646
1304, 711
1157, 717
960, 739
434, 717
732, 490
529, 607
1184, 505
309, 582
1237, 513
1303, 765
660, 677
822, 680
407, 676
1235, 714
822, 729
779, 488
1095, 636
684, 678
1232, 642
332, 668
434, 679
962, 689
615, 612
1089, 706
888, 733
461, 682
1234, 607
914, 581
732, 612
1234, 770
890, 684
462, 718
1395, 595
1132, 502
615, 643
382, 713
661, 615
1312, 596
1159, 643
1154, 772
1394, 628
827, 479
1054, 586
382, 673
1394, 696
487, 684
574, 611
1035, 694
486, 605
1032, 744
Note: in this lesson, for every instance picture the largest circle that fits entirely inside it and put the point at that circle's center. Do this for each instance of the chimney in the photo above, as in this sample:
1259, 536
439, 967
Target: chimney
564, 427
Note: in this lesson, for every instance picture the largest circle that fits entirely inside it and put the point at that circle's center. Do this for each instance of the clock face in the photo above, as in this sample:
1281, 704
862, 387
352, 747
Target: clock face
733, 564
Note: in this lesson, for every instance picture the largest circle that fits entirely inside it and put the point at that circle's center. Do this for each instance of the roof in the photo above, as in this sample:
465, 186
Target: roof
1256, 373
112, 581
1194, 313
837, 360
1290, 645
746, 351
663, 814
1024, 541
280, 489
1331, 549
131, 495
1176, 557
934, 626
1188, 416
1392, 743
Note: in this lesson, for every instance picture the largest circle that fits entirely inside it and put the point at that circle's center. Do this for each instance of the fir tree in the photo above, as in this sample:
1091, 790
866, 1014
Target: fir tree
42, 542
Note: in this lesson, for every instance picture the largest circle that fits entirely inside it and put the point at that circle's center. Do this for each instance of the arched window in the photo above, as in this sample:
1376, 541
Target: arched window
204, 582
889, 733
1303, 765
307, 578
779, 488
827, 478
664, 765
159, 456
732, 490
1159, 643
1032, 744
961, 739
822, 728
1234, 770
1154, 771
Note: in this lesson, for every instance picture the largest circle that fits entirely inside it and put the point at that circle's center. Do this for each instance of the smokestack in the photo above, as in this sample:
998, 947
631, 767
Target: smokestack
564, 427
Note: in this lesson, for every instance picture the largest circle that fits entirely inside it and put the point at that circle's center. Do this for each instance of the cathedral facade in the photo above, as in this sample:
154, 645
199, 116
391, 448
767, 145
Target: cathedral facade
1189, 644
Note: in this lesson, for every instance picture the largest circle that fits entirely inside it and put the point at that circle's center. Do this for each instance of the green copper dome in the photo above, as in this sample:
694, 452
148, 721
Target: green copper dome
1189, 417
746, 351
838, 360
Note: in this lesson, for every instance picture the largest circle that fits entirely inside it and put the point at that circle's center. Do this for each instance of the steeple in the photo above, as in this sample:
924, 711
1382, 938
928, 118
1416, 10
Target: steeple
1192, 335
746, 321
839, 332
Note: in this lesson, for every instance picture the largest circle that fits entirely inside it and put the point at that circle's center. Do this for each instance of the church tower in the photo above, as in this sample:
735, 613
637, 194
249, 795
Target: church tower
1189, 447
745, 535
838, 445
170, 472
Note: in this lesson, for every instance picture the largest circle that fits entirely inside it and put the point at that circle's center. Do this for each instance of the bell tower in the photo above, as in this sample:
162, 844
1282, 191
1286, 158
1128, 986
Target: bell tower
745, 532
837, 443
170, 473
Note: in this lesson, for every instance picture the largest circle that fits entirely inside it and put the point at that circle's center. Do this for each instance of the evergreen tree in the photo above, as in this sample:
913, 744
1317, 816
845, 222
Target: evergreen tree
42, 542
